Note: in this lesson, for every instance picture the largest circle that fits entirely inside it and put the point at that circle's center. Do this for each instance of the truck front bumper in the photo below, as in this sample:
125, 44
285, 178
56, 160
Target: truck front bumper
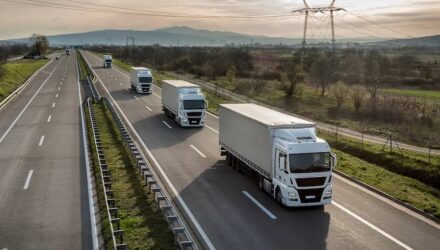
308, 197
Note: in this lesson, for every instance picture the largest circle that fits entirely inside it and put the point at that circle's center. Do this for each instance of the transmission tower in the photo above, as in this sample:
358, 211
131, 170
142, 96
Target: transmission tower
311, 10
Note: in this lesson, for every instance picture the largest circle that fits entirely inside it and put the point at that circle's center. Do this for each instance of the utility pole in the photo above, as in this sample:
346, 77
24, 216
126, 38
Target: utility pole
310, 10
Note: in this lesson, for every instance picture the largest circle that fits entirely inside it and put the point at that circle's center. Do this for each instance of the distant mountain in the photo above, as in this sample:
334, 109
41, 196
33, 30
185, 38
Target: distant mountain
183, 36
427, 41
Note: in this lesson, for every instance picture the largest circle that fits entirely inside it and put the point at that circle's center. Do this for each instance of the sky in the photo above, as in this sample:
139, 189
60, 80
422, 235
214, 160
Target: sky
368, 18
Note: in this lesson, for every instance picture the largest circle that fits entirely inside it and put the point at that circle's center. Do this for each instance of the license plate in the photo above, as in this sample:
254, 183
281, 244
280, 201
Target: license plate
310, 197
193, 121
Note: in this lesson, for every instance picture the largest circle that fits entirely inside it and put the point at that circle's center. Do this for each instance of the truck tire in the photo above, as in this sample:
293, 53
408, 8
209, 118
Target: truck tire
228, 158
278, 197
261, 183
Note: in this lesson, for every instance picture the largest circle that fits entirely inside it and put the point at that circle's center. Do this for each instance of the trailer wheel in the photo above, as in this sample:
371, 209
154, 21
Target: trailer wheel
261, 183
228, 158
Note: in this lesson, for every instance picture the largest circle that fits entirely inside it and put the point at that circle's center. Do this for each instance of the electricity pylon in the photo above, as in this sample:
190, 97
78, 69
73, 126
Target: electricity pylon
308, 10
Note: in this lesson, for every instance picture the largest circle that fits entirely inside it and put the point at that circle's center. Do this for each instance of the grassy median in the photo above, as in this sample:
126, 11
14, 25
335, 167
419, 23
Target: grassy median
141, 219
13, 74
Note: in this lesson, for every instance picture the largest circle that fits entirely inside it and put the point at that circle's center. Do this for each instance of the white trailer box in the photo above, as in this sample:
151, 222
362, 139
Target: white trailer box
108, 60
184, 102
141, 80
292, 163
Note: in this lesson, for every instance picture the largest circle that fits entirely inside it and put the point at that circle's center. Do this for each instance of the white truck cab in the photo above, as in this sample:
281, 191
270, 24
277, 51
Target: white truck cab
184, 102
107, 61
141, 80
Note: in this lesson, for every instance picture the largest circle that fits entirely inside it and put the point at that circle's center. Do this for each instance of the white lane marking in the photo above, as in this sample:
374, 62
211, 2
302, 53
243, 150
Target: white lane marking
49, 118
86, 158
136, 98
41, 141
166, 124
157, 95
53, 105
271, 215
28, 179
27, 105
371, 226
59, 88
56, 96
121, 84
61, 83
215, 131
148, 108
198, 151
387, 201
159, 167
128, 90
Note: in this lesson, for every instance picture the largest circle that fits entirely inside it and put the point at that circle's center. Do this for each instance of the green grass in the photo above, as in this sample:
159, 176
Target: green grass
431, 94
141, 219
403, 188
16, 73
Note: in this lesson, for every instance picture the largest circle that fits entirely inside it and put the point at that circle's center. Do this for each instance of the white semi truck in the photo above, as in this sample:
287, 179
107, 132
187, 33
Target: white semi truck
141, 80
292, 164
184, 102
67, 51
108, 61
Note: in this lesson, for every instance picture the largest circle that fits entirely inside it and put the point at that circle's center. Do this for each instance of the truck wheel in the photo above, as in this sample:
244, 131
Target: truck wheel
278, 197
261, 183
228, 158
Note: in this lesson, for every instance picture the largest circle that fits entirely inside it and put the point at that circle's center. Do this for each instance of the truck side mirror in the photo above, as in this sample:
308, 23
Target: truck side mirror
333, 160
206, 104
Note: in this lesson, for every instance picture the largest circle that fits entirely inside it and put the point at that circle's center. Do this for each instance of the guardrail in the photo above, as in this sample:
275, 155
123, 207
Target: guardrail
181, 234
110, 202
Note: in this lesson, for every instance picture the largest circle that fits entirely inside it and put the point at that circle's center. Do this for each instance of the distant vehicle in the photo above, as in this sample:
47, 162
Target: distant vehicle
141, 80
292, 164
67, 51
107, 61
184, 102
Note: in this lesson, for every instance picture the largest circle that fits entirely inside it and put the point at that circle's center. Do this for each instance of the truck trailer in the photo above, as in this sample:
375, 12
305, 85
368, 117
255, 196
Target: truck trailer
184, 102
290, 162
141, 80
107, 61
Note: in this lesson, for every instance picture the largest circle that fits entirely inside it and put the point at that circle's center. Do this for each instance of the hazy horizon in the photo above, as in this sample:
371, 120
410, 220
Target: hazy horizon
373, 19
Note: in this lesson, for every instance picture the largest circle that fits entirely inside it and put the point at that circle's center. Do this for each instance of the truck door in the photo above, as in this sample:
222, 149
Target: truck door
281, 165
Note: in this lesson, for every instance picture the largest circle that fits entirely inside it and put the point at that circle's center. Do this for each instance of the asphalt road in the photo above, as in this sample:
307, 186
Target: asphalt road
215, 194
43, 185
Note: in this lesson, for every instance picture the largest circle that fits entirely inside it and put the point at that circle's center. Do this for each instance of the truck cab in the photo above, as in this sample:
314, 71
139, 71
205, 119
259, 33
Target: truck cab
302, 171
67, 51
107, 61
141, 80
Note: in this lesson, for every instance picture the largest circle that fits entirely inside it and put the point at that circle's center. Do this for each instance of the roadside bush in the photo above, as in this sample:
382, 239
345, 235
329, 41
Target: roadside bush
340, 92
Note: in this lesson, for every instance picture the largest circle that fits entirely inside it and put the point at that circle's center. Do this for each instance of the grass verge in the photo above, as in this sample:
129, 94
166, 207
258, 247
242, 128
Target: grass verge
16, 73
141, 219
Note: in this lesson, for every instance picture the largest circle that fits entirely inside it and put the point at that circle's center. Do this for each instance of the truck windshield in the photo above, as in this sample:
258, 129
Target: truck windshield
145, 79
193, 104
308, 163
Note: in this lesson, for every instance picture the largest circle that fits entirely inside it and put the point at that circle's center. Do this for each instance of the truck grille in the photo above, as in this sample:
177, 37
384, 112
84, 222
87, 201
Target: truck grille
310, 195
310, 182
145, 89
194, 121
194, 113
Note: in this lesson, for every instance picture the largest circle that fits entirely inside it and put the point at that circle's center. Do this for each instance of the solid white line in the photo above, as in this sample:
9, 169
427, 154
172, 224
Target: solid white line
371, 226
27, 105
157, 95
166, 124
56, 96
148, 108
86, 158
53, 105
271, 215
198, 151
215, 131
49, 118
28, 179
136, 98
176, 194
41, 141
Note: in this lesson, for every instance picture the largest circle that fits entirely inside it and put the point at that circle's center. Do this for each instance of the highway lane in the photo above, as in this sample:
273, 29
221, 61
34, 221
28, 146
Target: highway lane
43, 190
214, 192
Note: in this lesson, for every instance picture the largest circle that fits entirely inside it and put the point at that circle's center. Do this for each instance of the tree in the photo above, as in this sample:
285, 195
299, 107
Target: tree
340, 91
230, 74
358, 93
322, 72
40, 44
292, 75
376, 69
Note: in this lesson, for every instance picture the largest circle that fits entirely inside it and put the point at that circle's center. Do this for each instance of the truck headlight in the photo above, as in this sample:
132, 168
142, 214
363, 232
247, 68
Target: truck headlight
328, 192
292, 195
